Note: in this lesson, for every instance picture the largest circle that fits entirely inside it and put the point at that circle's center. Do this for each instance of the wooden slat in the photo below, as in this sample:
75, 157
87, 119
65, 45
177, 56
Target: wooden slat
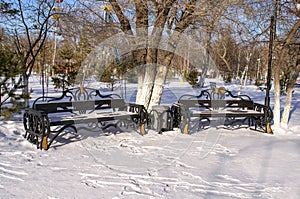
226, 113
93, 117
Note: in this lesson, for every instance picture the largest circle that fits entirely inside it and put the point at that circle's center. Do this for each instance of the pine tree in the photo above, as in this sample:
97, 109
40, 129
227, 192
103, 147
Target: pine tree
10, 71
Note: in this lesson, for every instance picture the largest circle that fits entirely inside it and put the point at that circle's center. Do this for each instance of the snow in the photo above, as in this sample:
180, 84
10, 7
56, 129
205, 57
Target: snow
212, 163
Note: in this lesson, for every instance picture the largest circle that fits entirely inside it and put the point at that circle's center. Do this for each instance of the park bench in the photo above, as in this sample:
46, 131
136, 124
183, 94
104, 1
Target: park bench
220, 107
78, 108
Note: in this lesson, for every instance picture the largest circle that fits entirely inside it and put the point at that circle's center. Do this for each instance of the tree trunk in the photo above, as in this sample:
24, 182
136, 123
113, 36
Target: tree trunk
238, 65
207, 60
140, 61
288, 100
146, 93
158, 85
149, 78
140, 79
26, 89
242, 81
276, 98
206, 67
142, 43
287, 107
282, 52
144, 96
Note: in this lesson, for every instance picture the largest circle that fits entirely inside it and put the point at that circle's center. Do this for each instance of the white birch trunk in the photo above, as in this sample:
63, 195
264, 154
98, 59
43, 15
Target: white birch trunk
141, 41
276, 98
244, 75
289, 97
241, 82
287, 106
238, 65
158, 85
147, 86
141, 76
146, 91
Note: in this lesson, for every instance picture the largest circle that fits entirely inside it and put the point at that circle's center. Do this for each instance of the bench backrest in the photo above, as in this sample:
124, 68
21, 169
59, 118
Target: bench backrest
215, 93
80, 107
216, 104
79, 100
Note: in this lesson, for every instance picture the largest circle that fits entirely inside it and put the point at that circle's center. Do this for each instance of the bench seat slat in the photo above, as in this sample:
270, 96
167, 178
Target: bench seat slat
226, 113
93, 117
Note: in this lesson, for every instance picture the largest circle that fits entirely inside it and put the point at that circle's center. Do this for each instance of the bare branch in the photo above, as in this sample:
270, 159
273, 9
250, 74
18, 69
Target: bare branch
125, 24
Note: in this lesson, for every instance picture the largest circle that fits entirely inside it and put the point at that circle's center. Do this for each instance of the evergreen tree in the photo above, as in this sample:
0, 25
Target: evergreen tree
10, 90
66, 69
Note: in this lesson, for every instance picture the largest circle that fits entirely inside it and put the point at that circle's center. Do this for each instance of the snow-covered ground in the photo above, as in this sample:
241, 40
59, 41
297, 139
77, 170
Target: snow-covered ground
212, 163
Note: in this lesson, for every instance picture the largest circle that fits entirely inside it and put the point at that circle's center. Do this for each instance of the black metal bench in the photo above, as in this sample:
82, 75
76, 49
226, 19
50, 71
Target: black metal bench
218, 103
78, 108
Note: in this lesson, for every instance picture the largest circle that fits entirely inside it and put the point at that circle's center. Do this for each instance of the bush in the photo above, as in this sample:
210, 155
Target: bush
227, 78
192, 78
258, 82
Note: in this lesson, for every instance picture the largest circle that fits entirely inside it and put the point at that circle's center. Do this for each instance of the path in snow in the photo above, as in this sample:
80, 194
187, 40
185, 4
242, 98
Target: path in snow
243, 164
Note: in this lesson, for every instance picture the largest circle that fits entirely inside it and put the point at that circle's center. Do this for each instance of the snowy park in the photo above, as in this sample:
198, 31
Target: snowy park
149, 99
211, 163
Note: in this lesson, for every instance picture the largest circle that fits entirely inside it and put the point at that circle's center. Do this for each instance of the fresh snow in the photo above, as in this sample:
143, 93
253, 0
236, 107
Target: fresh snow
211, 163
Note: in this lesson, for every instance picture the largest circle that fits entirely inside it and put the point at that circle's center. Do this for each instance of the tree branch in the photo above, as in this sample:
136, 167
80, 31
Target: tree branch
186, 17
292, 33
125, 25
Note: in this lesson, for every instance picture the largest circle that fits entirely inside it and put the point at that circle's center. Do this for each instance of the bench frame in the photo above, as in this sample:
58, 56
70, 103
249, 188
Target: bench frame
79, 106
221, 103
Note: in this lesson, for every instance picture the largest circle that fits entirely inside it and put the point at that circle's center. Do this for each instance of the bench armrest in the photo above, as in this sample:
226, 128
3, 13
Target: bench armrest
37, 126
141, 110
268, 113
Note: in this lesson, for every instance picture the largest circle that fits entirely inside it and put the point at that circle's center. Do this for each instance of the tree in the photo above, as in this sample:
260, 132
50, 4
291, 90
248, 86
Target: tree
9, 70
289, 93
169, 18
65, 69
285, 42
248, 20
28, 27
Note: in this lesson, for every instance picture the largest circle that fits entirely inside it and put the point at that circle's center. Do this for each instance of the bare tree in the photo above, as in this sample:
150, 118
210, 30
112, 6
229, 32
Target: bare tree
168, 16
